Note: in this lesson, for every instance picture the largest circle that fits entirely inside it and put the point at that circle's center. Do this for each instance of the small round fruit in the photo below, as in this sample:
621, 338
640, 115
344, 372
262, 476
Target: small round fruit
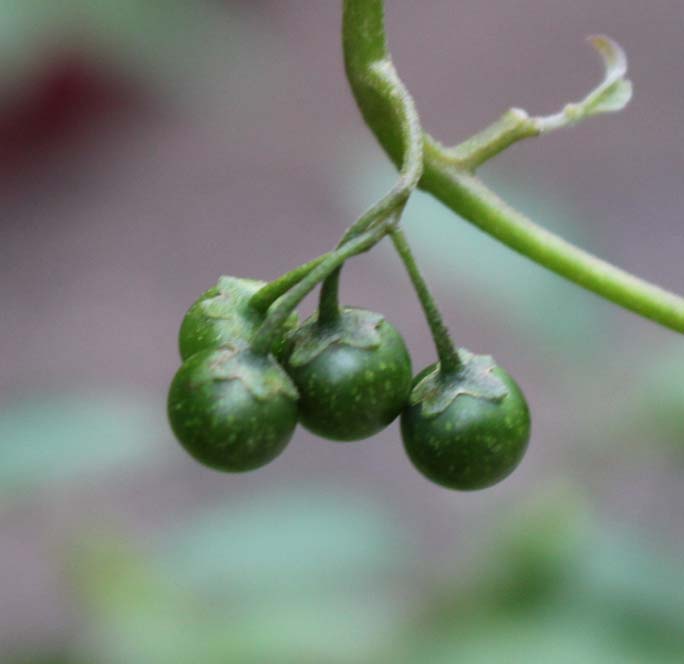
353, 375
223, 317
232, 411
474, 442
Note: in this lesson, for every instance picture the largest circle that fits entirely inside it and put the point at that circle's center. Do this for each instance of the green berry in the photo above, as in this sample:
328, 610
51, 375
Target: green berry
468, 430
353, 374
223, 317
232, 411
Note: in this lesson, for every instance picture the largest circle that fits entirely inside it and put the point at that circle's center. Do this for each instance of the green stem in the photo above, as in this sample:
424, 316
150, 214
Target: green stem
472, 200
513, 126
268, 294
610, 96
382, 78
268, 332
329, 300
364, 44
449, 360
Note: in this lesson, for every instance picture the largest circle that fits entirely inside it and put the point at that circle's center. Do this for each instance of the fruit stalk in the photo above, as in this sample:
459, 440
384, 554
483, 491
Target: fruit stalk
449, 360
267, 334
383, 79
267, 295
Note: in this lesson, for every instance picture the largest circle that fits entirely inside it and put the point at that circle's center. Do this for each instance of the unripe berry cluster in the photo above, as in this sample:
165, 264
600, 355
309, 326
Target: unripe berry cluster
345, 377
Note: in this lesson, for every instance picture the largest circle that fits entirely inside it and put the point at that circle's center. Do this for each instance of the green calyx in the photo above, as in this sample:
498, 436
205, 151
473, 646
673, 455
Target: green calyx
354, 327
353, 375
263, 378
475, 377
224, 317
232, 411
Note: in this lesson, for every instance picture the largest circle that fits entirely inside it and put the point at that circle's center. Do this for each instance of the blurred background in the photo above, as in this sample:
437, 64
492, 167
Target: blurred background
148, 147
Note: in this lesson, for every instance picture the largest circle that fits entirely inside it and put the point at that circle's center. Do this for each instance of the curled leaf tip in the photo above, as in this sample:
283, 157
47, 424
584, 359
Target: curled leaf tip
611, 95
613, 56
615, 91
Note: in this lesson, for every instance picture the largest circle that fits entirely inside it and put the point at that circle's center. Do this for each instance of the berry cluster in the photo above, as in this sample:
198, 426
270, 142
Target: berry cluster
345, 374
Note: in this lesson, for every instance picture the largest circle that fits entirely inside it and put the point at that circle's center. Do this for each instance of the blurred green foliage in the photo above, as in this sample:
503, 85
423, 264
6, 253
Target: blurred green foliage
290, 580
552, 587
654, 410
557, 588
51, 439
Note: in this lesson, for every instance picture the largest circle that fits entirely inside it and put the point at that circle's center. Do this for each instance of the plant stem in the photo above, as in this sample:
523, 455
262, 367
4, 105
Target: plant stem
611, 95
383, 78
364, 45
449, 360
268, 294
472, 200
513, 126
268, 332
329, 300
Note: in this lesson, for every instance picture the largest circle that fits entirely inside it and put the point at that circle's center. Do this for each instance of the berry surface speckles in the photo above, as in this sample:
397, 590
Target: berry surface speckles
474, 442
356, 382
232, 411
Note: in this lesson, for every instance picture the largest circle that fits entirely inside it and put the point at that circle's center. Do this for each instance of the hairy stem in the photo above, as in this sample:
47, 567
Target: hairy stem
365, 44
382, 78
449, 360
611, 95
513, 126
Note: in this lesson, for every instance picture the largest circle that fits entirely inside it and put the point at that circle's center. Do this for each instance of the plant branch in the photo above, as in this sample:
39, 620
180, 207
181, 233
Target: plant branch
513, 126
364, 44
471, 199
612, 94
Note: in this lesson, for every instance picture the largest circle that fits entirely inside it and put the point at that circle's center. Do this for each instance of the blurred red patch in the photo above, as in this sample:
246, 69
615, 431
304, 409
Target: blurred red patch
70, 96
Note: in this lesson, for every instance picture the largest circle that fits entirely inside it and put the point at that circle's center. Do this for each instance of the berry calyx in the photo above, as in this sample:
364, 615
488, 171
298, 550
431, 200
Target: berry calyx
224, 317
467, 429
232, 410
353, 374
